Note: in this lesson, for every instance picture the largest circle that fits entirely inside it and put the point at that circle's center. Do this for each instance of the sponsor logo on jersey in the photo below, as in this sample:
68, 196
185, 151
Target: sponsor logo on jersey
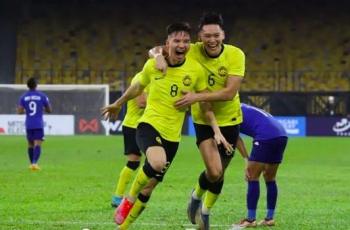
33, 97
159, 77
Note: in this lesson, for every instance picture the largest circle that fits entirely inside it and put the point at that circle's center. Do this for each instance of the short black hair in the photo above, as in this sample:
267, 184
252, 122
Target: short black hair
211, 18
177, 27
32, 83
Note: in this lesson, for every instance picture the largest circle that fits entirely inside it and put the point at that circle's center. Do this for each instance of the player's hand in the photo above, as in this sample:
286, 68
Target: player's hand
187, 99
110, 112
221, 140
161, 63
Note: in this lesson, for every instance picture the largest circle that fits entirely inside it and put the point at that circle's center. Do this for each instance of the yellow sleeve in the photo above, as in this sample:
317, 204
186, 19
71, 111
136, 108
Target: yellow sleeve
136, 78
236, 62
146, 73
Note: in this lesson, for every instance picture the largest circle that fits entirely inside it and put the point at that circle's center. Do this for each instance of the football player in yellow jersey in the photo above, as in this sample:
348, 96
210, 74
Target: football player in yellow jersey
225, 66
135, 108
159, 131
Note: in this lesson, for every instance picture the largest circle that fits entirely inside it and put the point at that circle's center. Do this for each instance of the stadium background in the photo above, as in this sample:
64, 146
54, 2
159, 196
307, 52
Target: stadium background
297, 52
297, 68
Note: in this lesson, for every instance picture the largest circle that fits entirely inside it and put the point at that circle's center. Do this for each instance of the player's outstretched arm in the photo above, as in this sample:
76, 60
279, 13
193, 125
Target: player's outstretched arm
158, 54
141, 100
225, 94
111, 111
210, 117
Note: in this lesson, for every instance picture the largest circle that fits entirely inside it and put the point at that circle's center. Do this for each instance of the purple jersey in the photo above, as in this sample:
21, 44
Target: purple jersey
259, 124
34, 102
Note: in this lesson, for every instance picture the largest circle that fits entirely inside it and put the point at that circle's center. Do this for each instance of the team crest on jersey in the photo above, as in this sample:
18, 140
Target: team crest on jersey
222, 71
187, 81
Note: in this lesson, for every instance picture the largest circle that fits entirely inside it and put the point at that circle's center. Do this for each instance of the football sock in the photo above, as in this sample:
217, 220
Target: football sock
36, 153
139, 182
133, 164
216, 187
124, 179
252, 198
135, 212
198, 192
209, 201
30, 154
202, 186
271, 198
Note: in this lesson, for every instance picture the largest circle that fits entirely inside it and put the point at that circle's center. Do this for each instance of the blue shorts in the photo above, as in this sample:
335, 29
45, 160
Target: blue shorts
268, 151
35, 134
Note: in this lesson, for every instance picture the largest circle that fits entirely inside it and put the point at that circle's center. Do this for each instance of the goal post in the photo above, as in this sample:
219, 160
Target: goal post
73, 105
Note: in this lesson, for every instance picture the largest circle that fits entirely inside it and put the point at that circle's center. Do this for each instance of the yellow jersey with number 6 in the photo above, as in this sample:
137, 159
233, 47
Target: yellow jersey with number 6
230, 62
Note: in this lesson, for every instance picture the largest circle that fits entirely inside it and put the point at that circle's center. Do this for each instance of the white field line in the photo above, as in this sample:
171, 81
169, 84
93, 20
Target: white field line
87, 224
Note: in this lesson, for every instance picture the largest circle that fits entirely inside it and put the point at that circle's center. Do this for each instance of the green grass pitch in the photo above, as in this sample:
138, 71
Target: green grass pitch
74, 187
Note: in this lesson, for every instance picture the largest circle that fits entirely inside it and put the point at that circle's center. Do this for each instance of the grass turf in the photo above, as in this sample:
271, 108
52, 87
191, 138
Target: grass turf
74, 187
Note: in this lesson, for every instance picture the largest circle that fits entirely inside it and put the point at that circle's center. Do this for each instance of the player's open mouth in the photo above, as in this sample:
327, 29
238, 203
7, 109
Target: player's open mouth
212, 46
179, 52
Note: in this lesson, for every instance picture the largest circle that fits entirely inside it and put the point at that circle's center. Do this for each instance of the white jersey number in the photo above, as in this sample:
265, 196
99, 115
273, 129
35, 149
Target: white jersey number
32, 108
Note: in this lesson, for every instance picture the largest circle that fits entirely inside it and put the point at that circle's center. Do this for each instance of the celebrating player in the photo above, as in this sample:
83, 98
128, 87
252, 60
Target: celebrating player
225, 66
269, 143
135, 108
159, 131
32, 103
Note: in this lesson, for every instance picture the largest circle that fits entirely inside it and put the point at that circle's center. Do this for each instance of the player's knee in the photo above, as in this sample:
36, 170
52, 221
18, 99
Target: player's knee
151, 171
133, 157
133, 164
214, 174
37, 142
158, 165
253, 173
269, 176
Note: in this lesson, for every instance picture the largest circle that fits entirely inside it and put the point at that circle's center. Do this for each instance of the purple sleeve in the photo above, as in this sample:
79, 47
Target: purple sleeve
46, 102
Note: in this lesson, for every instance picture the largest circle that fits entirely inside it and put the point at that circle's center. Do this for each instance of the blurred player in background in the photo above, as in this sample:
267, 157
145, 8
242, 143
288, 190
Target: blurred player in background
159, 131
269, 143
225, 67
33, 103
135, 108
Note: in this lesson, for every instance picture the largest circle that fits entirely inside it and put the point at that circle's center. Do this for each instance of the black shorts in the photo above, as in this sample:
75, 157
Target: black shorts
147, 136
130, 145
231, 133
